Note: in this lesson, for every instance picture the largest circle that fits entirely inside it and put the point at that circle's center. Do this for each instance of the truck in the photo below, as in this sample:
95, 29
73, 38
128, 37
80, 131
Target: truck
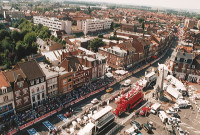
149, 80
155, 107
144, 111
129, 100
99, 122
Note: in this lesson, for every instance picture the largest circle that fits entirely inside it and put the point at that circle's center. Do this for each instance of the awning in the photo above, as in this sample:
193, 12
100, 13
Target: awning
154, 57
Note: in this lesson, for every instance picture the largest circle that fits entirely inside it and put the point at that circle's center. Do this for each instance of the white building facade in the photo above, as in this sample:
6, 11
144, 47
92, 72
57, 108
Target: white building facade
54, 24
94, 25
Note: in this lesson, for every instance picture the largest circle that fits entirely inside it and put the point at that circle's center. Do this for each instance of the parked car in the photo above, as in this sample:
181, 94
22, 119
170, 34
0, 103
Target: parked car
95, 101
176, 115
146, 128
180, 131
137, 124
109, 90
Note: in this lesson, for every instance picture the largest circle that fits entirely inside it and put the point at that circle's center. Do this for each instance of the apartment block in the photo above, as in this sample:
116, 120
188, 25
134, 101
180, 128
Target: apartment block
53, 24
95, 25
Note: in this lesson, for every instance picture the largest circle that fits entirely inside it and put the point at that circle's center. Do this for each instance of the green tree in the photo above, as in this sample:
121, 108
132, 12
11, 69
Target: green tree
96, 43
100, 36
141, 20
3, 34
2, 26
16, 36
78, 9
29, 38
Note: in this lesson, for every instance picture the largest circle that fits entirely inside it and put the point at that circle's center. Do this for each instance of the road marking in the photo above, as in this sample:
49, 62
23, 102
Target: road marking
32, 131
48, 125
62, 117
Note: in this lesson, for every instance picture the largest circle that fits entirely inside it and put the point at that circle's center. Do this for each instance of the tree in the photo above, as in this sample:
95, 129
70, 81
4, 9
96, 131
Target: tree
143, 26
3, 34
29, 38
20, 49
16, 36
141, 20
2, 26
78, 9
96, 43
100, 36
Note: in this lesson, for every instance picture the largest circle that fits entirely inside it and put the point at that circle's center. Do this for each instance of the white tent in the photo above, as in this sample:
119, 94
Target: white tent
109, 74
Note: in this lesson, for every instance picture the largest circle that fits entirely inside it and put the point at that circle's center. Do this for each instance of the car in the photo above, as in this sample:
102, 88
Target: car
176, 115
180, 131
146, 128
137, 124
109, 90
95, 101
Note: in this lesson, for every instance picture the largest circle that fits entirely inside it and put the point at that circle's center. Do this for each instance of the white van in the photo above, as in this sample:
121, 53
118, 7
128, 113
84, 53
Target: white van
155, 107
163, 116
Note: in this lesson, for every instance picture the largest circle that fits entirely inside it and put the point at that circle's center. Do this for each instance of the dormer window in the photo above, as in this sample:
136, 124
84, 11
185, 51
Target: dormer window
42, 79
4, 90
32, 82
37, 81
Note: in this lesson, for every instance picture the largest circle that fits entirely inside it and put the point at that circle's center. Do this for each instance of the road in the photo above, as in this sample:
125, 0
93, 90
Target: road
39, 127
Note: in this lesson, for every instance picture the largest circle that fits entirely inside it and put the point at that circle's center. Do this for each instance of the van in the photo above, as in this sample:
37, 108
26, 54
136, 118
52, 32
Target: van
163, 116
155, 107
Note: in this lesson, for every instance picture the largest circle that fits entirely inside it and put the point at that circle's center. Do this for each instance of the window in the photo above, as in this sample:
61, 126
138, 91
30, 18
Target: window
20, 84
70, 86
33, 98
37, 81
64, 82
32, 82
38, 89
26, 99
193, 66
25, 91
4, 90
42, 95
19, 102
5, 98
17, 93
38, 97
69, 80
42, 79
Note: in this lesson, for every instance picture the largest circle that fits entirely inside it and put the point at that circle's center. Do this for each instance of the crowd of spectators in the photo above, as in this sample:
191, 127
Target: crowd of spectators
49, 104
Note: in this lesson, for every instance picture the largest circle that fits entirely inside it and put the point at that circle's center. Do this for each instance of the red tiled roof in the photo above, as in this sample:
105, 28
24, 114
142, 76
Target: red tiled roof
3, 81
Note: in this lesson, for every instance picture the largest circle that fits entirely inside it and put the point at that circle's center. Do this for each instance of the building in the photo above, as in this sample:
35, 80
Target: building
189, 24
65, 81
15, 15
198, 25
51, 79
95, 25
181, 61
36, 80
54, 24
7, 106
194, 75
20, 88
129, 27
49, 45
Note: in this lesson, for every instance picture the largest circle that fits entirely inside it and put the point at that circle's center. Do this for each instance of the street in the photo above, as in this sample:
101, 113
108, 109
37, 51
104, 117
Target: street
86, 103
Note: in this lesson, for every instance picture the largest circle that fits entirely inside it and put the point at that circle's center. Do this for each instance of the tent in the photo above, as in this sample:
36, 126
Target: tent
109, 74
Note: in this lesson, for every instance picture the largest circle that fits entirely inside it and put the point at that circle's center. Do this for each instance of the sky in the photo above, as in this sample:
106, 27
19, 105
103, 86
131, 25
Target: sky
177, 4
